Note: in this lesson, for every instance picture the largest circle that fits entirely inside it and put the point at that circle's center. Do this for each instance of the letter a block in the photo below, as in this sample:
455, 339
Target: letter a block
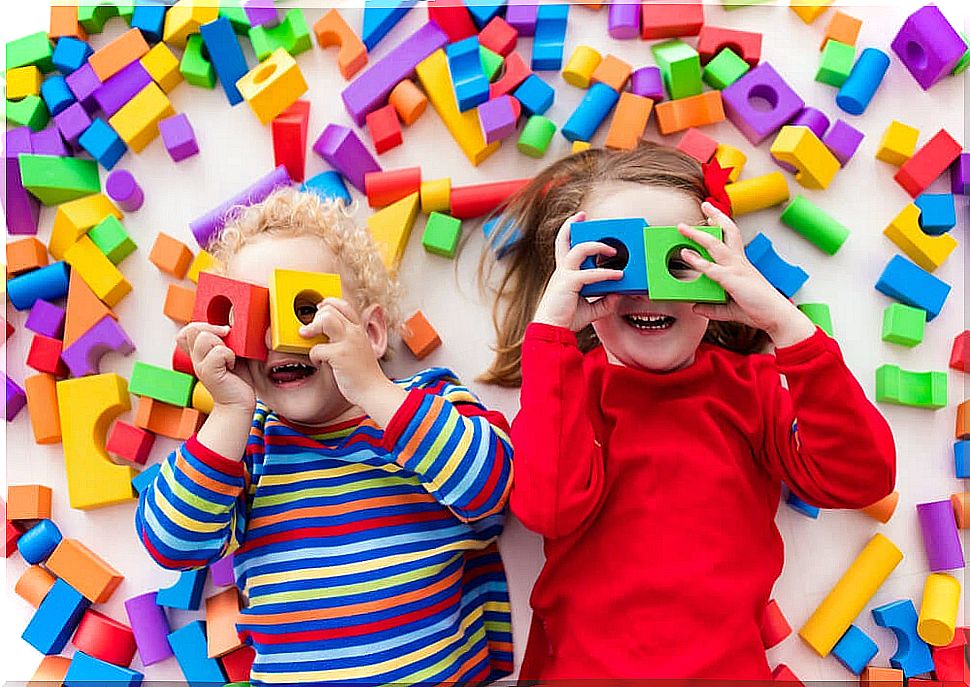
291, 293
218, 297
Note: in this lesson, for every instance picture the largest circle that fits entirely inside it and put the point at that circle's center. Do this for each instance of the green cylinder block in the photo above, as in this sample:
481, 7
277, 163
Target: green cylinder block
536, 136
815, 224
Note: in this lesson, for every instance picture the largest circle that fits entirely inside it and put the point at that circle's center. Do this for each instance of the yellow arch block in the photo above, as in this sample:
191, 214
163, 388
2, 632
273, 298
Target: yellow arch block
287, 289
73, 220
87, 406
800, 147
929, 252
938, 610
729, 156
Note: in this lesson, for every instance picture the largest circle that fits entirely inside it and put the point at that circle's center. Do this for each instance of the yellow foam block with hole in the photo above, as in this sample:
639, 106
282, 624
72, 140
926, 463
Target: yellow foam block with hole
800, 147
929, 252
289, 289
87, 407
97, 271
23, 81
202, 262
185, 17
163, 66
273, 85
435, 77
137, 122
73, 220
898, 143
391, 227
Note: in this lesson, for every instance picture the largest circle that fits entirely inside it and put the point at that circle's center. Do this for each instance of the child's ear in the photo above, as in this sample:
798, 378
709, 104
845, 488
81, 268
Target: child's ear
375, 326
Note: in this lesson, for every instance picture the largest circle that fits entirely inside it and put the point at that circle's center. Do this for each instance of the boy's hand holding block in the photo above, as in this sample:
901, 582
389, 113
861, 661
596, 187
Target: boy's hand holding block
293, 299
219, 299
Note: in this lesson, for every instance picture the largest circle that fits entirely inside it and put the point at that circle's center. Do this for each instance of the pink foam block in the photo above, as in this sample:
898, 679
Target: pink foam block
370, 90
222, 572
498, 118
122, 188
179, 137
83, 357
206, 227
21, 209
150, 626
743, 100
16, 399
46, 319
345, 152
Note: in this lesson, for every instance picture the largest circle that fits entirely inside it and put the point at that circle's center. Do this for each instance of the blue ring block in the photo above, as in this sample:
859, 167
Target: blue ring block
38, 543
909, 283
85, 671
186, 593
783, 275
912, 655
56, 619
535, 95
226, 56
48, 283
629, 232
855, 649
70, 54
103, 143
863, 82
328, 185
590, 113
57, 96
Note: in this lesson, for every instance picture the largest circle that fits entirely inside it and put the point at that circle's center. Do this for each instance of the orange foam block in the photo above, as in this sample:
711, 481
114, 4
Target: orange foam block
961, 508
883, 509
33, 585
84, 570
25, 255
613, 72
221, 614
697, 110
64, 22
28, 502
420, 336
170, 255
409, 101
629, 121
51, 671
118, 54
84, 309
843, 28
333, 30
167, 420
41, 390
883, 677
179, 303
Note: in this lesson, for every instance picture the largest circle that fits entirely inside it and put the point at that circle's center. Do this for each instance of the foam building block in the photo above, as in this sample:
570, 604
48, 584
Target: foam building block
927, 164
34, 49
391, 227
883, 509
963, 421
522, 16
328, 185
22, 82
48, 283
774, 625
137, 122
343, 150
45, 356
843, 28
41, 392
28, 502
48, 142
56, 619
105, 638
470, 83
84, 310
38, 543
784, 276
419, 336
168, 386
130, 443
498, 36
211, 223
34, 584
55, 180
83, 357
612, 71
456, 21
150, 626
101, 275
273, 85
820, 314
93, 17
202, 262
163, 66
516, 71
863, 81
195, 67
671, 20
498, 118
169, 421
726, 68
184, 18
938, 610
903, 325
292, 34
380, 18
536, 136
84, 83
799, 146
112, 239
370, 90
815, 225
629, 122
929, 252
217, 296
11, 537
24, 255
85, 670
87, 406
960, 353
478, 200
855, 649
70, 54
178, 137
765, 84
928, 46
626, 236
122, 87
332, 30
384, 128
103, 143
441, 234
221, 614
909, 283
409, 102
961, 460
757, 193
680, 68
535, 95
583, 62
21, 209
937, 213
590, 113
170, 255
186, 593
697, 110
908, 388
226, 56
202, 400
290, 131
941, 537
150, 20
549, 37
65, 23
221, 572
119, 53
664, 244
898, 143
835, 64
624, 20
73, 122
912, 655
56, 95
289, 292
74, 219
960, 175
384, 188
179, 303
261, 13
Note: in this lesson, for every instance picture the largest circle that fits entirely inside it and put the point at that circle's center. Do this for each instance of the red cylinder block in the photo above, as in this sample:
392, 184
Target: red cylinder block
479, 200
384, 188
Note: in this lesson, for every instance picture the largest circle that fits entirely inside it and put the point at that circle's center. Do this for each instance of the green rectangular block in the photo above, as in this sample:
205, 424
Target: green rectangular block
194, 66
491, 62
908, 388
167, 386
30, 111
292, 34
663, 244
112, 239
819, 314
836, 63
35, 49
55, 180
441, 234
726, 68
680, 66
903, 324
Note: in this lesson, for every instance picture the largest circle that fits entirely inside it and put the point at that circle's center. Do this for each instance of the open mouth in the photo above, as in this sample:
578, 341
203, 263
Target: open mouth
290, 373
649, 322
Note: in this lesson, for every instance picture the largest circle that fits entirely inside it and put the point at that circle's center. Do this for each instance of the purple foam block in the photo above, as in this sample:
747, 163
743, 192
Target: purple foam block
261, 13
647, 83
48, 142
369, 91
222, 572
83, 357
345, 152
928, 46
179, 137
940, 535
624, 19
497, 118
843, 139
46, 319
816, 120
760, 103
960, 175
149, 625
83, 83
122, 188
206, 227
16, 399
521, 16
22, 210
73, 122
122, 87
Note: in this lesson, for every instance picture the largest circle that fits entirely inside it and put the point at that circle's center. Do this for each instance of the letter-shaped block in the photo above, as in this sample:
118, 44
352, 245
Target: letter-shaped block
118, 54
221, 615
783, 275
55, 619
743, 100
550, 35
343, 150
938, 610
928, 163
150, 627
590, 113
273, 85
41, 391
419, 336
160, 62
190, 648
680, 67
54, 180
911, 284
898, 143
800, 147
84, 570
333, 30
903, 325
663, 244
813, 223
929, 252
850, 594
757, 193
170, 255
941, 537
855, 649
629, 121
912, 653
186, 593
87, 406
928, 46
226, 56
465, 65
908, 388
207, 226
83, 357
137, 122
128, 442
391, 227
293, 298
217, 297
178, 137
167, 420
290, 131
627, 237
98, 272
86, 670
167, 386
105, 639
697, 110
185, 17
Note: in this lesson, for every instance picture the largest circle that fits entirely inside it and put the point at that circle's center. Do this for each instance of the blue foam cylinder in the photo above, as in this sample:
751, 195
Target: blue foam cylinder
590, 113
863, 82
70, 54
961, 459
38, 543
57, 96
48, 283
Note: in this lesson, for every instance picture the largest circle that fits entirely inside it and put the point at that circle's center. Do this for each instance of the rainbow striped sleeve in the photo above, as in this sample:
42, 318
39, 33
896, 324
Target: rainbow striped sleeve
194, 511
459, 450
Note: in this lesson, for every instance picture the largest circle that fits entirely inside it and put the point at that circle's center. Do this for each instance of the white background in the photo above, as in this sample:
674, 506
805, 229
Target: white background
236, 150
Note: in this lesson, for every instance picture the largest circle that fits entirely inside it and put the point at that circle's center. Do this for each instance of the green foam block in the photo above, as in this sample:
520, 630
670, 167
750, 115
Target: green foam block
680, 67
167, 386
292, 34
663, 244
813, 223
55, 180
441, 234
726, 68
112, 239
30, 111
35, 49
836, 63
536, 136
195, 66
94, 15
491, 62
908, 388
820, 315
903, 324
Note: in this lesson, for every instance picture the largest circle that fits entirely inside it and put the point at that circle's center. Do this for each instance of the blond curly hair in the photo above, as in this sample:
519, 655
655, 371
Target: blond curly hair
289, 213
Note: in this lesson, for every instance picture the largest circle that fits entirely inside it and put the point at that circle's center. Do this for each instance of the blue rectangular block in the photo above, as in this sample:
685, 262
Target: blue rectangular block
70, 54
961, 458
937, 212
149, 17
85, 671
803, 507
56, 619
226, 56
186, 593
190, 646
381, 16
626, 236
550, 35
465, 65
909, 283
103, 143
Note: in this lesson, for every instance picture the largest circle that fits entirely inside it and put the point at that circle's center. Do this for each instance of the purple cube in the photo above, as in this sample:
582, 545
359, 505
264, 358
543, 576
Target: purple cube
48, 142
122, 87
498, 118
179, 137
624, 19
261, 13
521, 16
22, 210
83, 83
843, 140
928, 46
960, 175
16, 399
73, 122
46, 319
760, 103
647, 83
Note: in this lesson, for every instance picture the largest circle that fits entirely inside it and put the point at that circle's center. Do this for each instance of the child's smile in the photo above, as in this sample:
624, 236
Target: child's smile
289, 372
649, 322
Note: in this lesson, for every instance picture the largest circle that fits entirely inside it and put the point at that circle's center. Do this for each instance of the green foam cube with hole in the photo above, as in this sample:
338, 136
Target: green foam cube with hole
662, 244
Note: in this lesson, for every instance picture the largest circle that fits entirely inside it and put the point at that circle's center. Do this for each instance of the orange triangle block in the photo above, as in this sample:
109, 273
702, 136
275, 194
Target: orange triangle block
84, 309
391, 229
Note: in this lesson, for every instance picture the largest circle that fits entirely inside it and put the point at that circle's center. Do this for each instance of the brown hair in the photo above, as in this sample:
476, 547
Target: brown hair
538, 211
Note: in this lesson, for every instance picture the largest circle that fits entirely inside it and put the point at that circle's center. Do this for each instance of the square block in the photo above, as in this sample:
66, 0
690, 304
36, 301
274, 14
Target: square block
179, 137
293, 299
843, 28
112, 239
613, 72
498, 118
680, 66
167, 420
960, 353
937, 212
898, 143
179, 303
46, 319
273, 85
24, 255
836, 63
535, 95
22, 81
170, 255
28, 502
843, 140
56, 619
419, 336
743, 101
903, 324
384, 128
45, 356
163, 66
441, 234
219, 299
103, 143
627, 237
698, 145
928, 46
663, 245
130, 443
726, 68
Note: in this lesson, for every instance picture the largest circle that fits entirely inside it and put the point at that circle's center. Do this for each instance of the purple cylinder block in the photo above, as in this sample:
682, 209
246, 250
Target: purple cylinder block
760, 103
206, 227
928, 46
940, 535
22, 210
816, 120
843, 139
150, 626
122, 188
648, 83
624, 19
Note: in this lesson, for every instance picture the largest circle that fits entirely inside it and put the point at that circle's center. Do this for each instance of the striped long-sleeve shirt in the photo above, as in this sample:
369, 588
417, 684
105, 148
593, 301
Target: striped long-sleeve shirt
366, 556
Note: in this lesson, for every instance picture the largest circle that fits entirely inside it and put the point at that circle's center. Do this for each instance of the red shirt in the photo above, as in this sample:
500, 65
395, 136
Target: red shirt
656, 494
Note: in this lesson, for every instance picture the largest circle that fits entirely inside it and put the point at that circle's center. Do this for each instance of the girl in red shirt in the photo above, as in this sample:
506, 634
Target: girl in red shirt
653, 439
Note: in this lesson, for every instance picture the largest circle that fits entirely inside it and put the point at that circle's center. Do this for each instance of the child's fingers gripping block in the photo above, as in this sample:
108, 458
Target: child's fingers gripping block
273, 85
84, 570
663, 245
28, 502
938, 609
106, 639
87, 406
293, 299
912, 655
419, 336
217, 298
626, 236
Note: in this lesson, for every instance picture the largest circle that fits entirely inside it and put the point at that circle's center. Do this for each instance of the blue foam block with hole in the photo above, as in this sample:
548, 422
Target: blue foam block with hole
626, 233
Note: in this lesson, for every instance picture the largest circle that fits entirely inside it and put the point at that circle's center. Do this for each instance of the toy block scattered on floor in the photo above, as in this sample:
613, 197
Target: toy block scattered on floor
48, 283
499, 36
195, 67
21, 209
105, 639
41, 392
56, 619
84, 570
764, 82
137, 122
441, 234
291, 291
238, 664
534, 95
38, 543
186, 593
185, 18
75, 218
130, 443
909, 283
927, 251
863, 81
408, 101
757, 193
178, 137
698, 145
941, 537
144, 479
55, 180
579, 68
673, 20
189, 646
680, 67
23, 81
167, 420
498, 118
478, 200
221, 615
939, 609
150, 20
799, 146
273, 86
206, 226
391, 227
85, 670
83, 357
226, 56
333, 30
328, 186
168, 386
202, 262
835, 64
292, 35
774, 625
179, 304
103, 143
34, 584
843, 28
698, 110
468, 79
726, 68
629, 122
87, 406
927, 164
435, 195
24, 255
217, 296
815, 225
121, 88
903, 325
937, 212
35, 49
384, 188
170, 255
118, 54
784, 276
163, 66
960, 353
928, 46
84, 83
908, 388
65, 23
11, 537
343, 150
898, 143
112, 239
912, 655
855, 649
820, 315
44, 355
883, 509
419, 336
516, 71
149, 624
28, 502
72, 123
549, 37
84, 310
290, 131
105, 280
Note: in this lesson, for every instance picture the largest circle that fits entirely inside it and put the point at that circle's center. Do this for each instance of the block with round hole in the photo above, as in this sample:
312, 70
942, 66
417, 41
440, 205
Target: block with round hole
273, 85
662, 246
244, 307
626, 236
293, 299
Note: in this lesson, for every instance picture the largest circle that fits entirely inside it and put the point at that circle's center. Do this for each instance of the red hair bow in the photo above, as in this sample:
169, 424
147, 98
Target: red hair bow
715, 179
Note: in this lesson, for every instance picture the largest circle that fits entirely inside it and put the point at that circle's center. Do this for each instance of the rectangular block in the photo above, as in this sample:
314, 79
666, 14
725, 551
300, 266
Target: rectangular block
84, 570
105, 280
28, 502
55, 180
118, 54
56, 619
41, 391
163, 66
167, 420
928, 163
137, 122
168, 386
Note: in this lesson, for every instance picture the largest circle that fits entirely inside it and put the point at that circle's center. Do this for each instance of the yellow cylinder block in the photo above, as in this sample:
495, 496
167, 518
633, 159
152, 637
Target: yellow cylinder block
938, 611
202, 399
436, 195
581, 65
757, 193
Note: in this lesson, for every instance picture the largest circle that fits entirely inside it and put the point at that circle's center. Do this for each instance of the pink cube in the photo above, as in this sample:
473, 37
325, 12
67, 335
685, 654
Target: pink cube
179, 137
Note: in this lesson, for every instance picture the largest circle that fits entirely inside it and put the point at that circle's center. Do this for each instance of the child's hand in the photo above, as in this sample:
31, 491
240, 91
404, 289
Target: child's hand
351, 356
754, 301
215, 365
561, 305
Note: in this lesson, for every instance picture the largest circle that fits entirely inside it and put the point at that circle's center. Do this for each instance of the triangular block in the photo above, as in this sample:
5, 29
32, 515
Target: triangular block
391, 228
84, 309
